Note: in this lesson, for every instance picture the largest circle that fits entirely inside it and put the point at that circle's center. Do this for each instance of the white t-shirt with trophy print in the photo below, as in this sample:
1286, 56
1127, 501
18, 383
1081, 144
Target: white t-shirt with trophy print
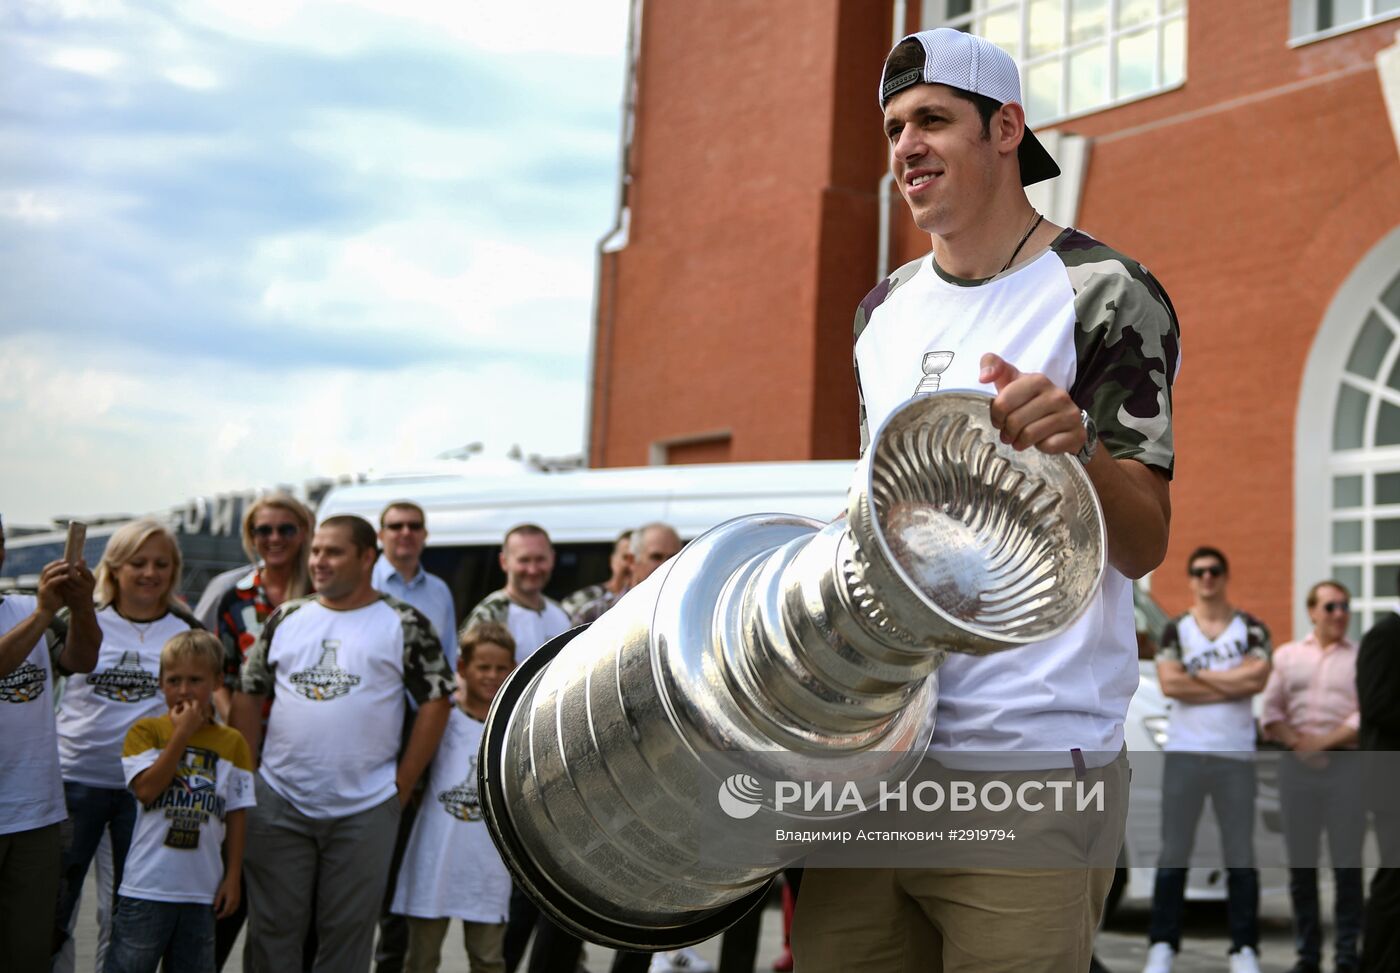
337, 681
1098, 325
451, 869
31, 789
98, 707
175, 847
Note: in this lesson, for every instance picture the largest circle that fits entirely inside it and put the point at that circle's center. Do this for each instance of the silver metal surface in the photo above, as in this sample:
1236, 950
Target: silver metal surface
773, 636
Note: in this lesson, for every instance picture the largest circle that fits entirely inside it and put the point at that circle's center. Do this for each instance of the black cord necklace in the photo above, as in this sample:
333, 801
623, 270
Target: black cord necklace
1012, 258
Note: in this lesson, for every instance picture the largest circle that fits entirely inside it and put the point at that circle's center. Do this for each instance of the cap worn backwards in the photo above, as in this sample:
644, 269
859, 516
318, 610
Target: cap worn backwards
971, 63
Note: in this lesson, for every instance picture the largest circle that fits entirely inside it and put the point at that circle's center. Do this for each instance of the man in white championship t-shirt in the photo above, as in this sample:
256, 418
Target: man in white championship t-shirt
1078, 344
331, 783
31, 786
1211, 663
527, 558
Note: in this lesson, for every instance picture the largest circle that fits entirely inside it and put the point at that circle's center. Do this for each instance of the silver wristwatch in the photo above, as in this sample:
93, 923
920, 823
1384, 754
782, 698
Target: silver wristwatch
1091, 438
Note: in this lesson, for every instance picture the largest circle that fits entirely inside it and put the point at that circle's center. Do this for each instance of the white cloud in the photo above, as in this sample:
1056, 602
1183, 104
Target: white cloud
435, 276
29, 207
113, 436
86, 60
340, 27
192, 76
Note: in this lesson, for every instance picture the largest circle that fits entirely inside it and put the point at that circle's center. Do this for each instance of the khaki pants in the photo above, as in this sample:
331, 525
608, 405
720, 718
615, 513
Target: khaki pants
485, 943
899, 920
979, 915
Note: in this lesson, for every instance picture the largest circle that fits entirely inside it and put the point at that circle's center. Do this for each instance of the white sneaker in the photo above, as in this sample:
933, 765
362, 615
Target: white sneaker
1159, 958
683, 960
1246, 960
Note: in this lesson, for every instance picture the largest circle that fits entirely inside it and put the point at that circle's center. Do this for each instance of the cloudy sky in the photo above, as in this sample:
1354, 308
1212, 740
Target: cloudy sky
245, 242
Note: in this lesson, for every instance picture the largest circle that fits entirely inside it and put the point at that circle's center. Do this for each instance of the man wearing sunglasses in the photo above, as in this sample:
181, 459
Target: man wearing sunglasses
1212, 661
1310, 706
403, 534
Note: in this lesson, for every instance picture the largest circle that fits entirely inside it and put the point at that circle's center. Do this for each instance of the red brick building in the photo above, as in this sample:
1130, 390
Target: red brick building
1246, 152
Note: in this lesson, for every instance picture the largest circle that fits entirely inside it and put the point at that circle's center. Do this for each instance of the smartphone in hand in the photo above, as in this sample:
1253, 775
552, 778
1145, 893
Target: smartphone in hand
77, 537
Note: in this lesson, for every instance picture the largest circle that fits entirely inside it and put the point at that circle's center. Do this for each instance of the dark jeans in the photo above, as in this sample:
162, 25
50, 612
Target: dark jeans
1187, 778
1313, 801
145, 932
91, 810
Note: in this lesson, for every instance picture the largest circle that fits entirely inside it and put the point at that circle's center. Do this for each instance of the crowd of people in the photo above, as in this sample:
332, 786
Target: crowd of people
297, 754
1322, 697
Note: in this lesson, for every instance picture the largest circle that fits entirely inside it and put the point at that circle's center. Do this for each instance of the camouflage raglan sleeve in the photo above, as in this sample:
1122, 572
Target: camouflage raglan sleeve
1127, 348
1258, 643
864, 312
1169, 645
495, 607
580, 598
425, 672
256, 675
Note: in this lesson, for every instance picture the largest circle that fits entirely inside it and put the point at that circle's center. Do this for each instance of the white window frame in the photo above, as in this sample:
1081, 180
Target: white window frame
934, 14
1303, 22
1325, 372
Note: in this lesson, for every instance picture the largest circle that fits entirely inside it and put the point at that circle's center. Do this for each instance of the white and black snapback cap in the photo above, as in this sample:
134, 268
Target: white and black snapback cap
970, 63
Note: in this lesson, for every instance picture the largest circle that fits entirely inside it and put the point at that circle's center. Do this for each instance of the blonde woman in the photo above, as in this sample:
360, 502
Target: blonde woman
138, 611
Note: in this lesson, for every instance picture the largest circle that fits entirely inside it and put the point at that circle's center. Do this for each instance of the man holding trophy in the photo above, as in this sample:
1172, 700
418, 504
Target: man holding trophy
633, 774
1080, 345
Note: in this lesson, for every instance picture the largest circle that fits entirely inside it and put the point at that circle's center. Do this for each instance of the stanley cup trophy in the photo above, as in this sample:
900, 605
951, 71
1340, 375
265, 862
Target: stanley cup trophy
776, 637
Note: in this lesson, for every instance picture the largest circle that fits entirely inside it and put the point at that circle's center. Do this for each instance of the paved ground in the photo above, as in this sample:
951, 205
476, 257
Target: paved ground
1122, 944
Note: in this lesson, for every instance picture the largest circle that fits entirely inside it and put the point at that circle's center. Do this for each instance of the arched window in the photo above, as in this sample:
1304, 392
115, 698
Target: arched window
1347, 462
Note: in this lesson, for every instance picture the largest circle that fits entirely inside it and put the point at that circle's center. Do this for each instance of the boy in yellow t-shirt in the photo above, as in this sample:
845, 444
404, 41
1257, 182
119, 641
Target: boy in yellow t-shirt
192, 779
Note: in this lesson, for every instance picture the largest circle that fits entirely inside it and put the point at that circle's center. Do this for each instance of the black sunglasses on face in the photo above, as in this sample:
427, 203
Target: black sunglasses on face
281, 530
413, 525
1336, 606
1215, 571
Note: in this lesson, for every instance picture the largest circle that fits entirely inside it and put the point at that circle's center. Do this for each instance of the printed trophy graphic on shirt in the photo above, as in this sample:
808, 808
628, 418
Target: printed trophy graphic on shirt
126, 682
325, 680
462, 801
23, 685
191, 798
935, 363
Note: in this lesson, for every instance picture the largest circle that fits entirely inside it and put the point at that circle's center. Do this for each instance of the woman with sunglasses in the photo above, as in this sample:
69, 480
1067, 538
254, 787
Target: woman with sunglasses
1311, 707
276, 528
138, 610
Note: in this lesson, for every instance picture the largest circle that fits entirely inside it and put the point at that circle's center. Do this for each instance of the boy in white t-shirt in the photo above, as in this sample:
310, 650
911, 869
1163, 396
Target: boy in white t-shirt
451, 870
192, 779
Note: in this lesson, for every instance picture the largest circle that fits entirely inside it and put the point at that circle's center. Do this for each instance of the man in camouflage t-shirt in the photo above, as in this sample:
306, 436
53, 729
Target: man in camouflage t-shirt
1079, 345
332, 783
527, 558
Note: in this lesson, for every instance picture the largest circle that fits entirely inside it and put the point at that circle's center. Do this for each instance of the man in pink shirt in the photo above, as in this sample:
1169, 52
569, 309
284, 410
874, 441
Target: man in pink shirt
1310, 707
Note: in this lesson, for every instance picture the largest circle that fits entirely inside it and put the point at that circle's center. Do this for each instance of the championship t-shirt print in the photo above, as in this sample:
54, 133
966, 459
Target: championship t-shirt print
24, 685
463, 802
326, 679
